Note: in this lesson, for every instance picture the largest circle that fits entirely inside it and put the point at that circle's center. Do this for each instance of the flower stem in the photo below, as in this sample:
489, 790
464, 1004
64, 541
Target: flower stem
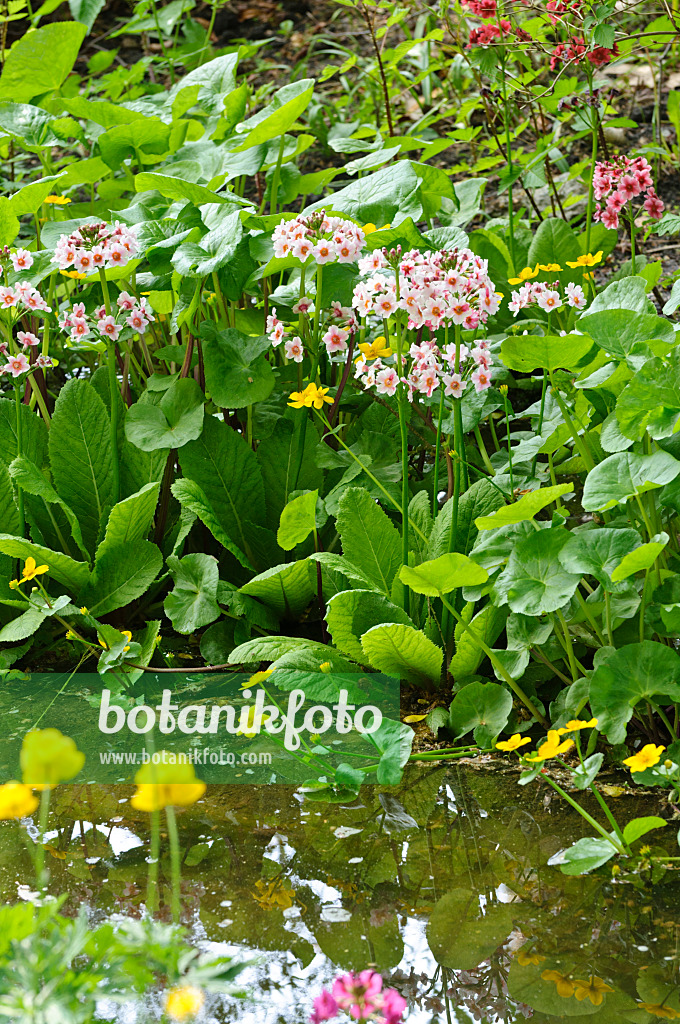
40, 872
113, 394
173, 836
154, 853
20, 493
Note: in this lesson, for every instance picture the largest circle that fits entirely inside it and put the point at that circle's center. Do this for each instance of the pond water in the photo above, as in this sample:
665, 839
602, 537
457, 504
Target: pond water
444, 885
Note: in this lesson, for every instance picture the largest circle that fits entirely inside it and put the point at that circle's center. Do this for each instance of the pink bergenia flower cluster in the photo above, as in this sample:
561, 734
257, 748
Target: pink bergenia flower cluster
547, 296
361, 996
95, 246
325, 239
339, 324
436, 289
430, 368
619, 181
107, 326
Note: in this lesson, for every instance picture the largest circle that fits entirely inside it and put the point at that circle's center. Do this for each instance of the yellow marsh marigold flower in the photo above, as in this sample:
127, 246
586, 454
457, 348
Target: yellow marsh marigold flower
56, 200
593, 989
550, 268
645, 758
48, 758
563, 984
369, 228
166, 785
272, 895
31, 570
587, 260
310, 396
74, 274
576, 724
524, 275
374, 349
326, 666
529, 957
16, 800
183, 1002
513, 743
14, 584
551, 747
660, 1010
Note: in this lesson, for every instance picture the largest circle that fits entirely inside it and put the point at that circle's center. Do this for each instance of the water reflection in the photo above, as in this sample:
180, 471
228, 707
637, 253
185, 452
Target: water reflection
443, 885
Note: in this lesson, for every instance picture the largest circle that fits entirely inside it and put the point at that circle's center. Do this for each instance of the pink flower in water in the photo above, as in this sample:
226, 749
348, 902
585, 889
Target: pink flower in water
393, 1006
325, 1007
18, 365
27, 338
21, 259
359, 994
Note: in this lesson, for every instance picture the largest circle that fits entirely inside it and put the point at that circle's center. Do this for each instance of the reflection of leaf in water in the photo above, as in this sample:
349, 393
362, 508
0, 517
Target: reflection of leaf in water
461, 934
527, 983
395, 818
352, 944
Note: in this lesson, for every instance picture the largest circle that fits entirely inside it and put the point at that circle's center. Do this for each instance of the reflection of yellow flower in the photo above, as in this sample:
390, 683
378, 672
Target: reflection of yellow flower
529, 957
166, 785
660, 1010
48, 757
550, 268
645, 758
184, 1002
513, 743
374, 349
273, 896
31, 570
310, 396
16, 800
125, 632
564, 985
587, 260
524, 275
551, 747
56, 200
593, 989
249, 730
576, 724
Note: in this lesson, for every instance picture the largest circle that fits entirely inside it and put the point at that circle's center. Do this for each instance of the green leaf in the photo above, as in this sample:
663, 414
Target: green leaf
80, 456
63, 569
598, 552
148, 137
462, 934
9, 513
548, 352
534, 581
86, 11
9, 222
618, 330
132, 518
226, 470
554, 242
639, 827
622, 678
443, 574
271, 648
27, 476
274, 120
368, 537
524, 509
481, 499
338, 564
482, 707
40, 61
30, 198
298, 520
122, 573
394, 741
24, 625
586, 855
215, 79
176, 420
400, 650
33, 434
468, 656
625, 475
193, 601
178, 189
585, 774
288, 589
237, 372
651, 401
351, 613
190, 496
278, 458
641, 558
628, 293
387, 196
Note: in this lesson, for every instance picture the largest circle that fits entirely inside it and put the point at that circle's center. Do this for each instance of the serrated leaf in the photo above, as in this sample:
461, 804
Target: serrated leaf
351, 613
443, 574
121, 574
72, 574
524, 509
400, 650
368, 537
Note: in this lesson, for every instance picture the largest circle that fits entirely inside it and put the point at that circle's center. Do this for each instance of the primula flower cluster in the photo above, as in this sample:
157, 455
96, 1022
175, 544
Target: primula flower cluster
339, 324
547, 296
619, 181
430, 368
96, 246
24, 300
325, 238
361, 996
134, 314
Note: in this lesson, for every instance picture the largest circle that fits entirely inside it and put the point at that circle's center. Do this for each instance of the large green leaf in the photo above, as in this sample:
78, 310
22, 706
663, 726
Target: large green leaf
548, 352
132, 518
279, 115
237, 373
598, 552
351, 613
30, 198
524, 509
150, 137
191, 497
80, 456
121, 574
443, 574
586, 854
33, 434
389, 195
31, 480
641, 559
622, 678
215, 80
23, 626
394, 741
179, 189
625, 475
40, 61
482, 707
400, 650
534, 580
193, 601
468, 656
9, 513
279, 457
479, 501
368, 537
176, 420
226, 470
288, 589
298, 520
618, 330
651, 402
628, 293
461, 933
72, 574
554, 242
86, 11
